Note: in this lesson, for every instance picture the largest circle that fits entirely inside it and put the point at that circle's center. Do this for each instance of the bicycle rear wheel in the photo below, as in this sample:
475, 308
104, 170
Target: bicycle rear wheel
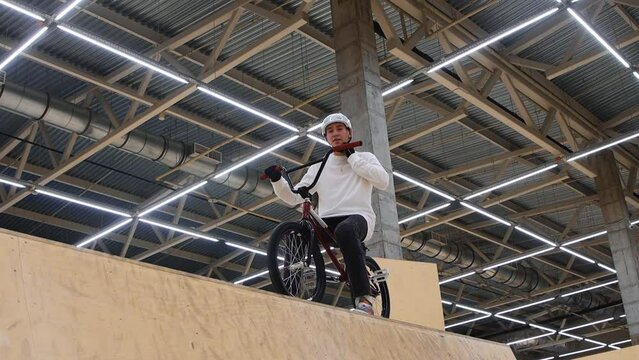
379, 289
287, 254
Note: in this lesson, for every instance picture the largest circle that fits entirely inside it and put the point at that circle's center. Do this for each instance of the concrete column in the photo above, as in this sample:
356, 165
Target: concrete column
361, 100
624, 246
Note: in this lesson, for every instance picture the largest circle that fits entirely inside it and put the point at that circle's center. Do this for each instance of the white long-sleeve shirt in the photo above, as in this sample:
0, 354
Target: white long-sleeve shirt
345, 186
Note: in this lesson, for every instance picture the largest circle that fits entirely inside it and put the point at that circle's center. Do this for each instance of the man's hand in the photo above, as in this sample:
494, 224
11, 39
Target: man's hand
303, 191
349, 152
274, 172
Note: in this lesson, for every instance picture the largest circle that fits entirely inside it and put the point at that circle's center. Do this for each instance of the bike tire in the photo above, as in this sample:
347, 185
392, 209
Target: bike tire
289, 242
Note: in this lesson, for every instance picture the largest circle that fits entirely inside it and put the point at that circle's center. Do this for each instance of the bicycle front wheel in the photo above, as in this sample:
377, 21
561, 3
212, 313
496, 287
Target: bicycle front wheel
287, 263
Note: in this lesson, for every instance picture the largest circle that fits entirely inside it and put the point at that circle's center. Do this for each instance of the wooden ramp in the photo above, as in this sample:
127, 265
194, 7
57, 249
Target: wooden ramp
58, 302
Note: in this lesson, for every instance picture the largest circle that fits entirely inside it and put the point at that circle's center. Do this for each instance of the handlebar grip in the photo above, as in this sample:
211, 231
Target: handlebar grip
343, 147
263, 176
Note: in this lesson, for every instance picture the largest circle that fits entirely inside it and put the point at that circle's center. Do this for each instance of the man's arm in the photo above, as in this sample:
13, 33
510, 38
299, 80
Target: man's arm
284, 192
368, 167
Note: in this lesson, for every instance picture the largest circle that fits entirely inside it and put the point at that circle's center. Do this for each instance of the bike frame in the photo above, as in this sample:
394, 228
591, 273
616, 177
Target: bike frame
319, 228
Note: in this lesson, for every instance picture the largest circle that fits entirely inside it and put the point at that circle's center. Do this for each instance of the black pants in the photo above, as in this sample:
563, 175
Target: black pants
350, 231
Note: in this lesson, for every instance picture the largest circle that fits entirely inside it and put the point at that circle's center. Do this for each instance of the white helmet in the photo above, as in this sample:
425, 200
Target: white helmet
335, 118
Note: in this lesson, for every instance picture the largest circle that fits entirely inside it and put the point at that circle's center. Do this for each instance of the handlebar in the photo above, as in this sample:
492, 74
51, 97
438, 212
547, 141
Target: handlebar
285, 172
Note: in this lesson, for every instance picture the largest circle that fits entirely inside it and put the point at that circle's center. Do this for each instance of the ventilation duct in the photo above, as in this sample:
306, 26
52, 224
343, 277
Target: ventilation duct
71, 117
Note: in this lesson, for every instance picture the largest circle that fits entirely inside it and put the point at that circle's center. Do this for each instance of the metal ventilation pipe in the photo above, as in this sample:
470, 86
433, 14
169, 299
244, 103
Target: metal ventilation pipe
71, 117
460, 255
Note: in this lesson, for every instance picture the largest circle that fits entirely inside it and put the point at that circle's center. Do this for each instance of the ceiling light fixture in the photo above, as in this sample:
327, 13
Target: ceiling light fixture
590, 288
247, 108
485, 213
82, 202
12, 183
466, 321
528, 339
178, 194
574, 253
475, 47
111, 48
518, 258
247, 248
607, 268
581, 351
604, 145
446, 281
425, 186
586, 325
598, 37
423, 213
23, 47
257, 156
526, 306
104, 232
538, 237
67, 9
181, 229
22, 10
397, 87
585, 237
317, 139
502, 184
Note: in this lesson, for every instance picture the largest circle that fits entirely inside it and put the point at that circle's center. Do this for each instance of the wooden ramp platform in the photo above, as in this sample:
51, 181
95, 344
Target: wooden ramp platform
58, 302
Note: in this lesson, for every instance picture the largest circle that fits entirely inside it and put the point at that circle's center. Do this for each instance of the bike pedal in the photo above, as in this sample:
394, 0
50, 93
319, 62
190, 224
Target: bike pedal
380, 276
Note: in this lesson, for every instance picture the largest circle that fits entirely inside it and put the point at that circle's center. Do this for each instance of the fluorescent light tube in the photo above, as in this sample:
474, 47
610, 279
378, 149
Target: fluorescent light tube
525, 175
492, 40
314, 127
23, 47
585, 237
251, 277
607, 268
479, 311
485, 213
317, 139
397, 87
447, 302
67, 9
590, 288
634, 222
581, 351
598, 37
104, 232
12, 183
247, 108
257, 156
173, 197
180, 229
571, 335
510, 319
466, 322
604, 146
588, 324
517, 259
526, 306
110, 48
81, 202
22, 10
425, 186
542, 328
528, 339
446, 281
538, 237
423, 213
243, 247
574, 253
636, 74
621, 342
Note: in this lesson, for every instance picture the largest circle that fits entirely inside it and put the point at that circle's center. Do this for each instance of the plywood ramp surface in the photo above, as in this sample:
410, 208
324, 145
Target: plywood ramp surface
629, 353
62, 303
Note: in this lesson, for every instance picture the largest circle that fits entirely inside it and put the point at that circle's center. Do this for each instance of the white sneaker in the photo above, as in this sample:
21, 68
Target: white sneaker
363, 306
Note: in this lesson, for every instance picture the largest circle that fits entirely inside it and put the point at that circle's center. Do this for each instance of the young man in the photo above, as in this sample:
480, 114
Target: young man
344, 190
